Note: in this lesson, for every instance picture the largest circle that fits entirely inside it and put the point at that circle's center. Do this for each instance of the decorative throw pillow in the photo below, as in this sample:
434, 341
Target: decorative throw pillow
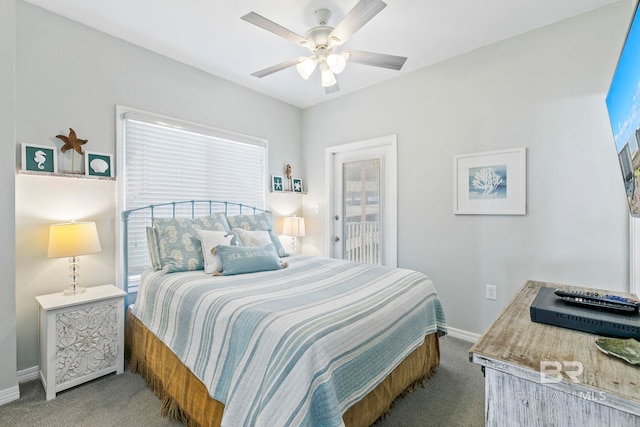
154, 249
239, 260
209, 240
180, 248
252, 239
262, 221
216, 221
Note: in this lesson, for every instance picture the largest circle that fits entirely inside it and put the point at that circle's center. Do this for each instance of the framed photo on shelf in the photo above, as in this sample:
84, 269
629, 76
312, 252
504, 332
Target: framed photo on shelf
98, 164
39, 158
490, 183
276, 183
296, 185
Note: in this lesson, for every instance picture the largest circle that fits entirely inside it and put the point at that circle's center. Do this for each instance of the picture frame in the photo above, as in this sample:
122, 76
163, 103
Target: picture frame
490, 183
296, 185
277, 183
39, 158
98, 164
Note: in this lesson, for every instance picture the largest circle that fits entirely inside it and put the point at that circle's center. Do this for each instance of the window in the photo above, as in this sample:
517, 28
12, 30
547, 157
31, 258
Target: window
161, 160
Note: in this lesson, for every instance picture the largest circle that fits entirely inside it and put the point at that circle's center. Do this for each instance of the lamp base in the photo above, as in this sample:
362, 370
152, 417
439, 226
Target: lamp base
74, 291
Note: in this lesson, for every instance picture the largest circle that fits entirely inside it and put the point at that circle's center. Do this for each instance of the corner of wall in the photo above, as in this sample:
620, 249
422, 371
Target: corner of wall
8, 358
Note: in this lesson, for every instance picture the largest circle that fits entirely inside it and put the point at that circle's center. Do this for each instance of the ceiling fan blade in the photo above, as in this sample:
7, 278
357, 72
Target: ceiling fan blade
359, 15
382, 60
274, 68
277, 29
332, 89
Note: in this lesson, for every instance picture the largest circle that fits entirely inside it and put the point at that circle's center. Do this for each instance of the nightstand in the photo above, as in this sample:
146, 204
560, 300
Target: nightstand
81, 337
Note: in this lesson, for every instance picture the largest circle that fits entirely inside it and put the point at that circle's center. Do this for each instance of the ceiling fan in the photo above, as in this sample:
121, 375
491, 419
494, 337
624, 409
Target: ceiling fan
324, 43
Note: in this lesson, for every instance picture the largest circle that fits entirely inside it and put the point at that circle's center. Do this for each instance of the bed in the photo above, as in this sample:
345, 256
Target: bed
297, 340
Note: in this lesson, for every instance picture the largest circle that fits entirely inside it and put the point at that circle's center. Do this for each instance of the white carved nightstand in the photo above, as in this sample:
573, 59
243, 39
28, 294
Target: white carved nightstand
81, 337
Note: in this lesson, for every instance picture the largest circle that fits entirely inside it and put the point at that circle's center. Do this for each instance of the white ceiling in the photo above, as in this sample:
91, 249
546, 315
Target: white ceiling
209, 34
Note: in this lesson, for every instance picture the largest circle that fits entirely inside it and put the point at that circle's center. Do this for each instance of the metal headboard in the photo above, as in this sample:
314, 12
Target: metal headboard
183, 208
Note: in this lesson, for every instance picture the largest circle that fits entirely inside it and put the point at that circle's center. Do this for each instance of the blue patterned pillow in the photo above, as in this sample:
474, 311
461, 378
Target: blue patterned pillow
215, 222
240, 260
179, 244
262, 221
180, 248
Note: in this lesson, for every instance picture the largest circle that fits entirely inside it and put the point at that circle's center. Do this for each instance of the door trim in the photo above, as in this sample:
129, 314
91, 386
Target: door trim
391, 196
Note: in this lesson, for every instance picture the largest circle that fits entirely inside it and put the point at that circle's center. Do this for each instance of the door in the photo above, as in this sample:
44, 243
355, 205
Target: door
363, 227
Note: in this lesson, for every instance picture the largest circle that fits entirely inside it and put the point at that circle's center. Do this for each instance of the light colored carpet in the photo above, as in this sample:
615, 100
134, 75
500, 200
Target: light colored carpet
454, 396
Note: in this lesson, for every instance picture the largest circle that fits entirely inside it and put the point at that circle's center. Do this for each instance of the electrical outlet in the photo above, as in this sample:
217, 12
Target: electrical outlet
492, 292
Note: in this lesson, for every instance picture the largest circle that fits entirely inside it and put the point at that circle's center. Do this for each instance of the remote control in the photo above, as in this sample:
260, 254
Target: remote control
600, 301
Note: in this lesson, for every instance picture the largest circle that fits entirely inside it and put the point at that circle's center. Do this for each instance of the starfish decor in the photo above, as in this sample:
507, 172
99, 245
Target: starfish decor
71, 142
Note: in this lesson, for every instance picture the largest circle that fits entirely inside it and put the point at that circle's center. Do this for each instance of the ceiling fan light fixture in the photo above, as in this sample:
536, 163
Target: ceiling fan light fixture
328, 78
306, 66
334, 41
336, 62
323, 41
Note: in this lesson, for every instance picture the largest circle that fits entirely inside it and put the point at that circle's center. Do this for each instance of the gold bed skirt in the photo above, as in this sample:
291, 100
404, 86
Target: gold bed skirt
185, 398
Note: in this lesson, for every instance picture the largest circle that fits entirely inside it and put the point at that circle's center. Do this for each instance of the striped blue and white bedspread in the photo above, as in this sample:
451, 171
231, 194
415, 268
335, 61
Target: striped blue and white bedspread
297, 346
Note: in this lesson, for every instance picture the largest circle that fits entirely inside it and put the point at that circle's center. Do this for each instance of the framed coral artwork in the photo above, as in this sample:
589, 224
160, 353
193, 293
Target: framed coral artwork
490, 183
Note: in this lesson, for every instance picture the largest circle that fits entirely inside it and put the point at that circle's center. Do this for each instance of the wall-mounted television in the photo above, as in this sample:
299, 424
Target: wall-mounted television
623, 105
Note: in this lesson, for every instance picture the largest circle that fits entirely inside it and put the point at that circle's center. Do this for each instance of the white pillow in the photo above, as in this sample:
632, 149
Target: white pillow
209, 240
254, 238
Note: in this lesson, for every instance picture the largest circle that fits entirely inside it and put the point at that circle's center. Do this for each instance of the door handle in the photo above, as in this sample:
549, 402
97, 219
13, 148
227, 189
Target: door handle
337, 217
336, 239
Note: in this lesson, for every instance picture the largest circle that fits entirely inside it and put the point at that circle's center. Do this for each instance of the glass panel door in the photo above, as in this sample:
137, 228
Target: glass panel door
361, 213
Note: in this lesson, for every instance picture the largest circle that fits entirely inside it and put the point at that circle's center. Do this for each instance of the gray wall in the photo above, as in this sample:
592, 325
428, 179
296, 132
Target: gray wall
543, 90
8, 380
69, 75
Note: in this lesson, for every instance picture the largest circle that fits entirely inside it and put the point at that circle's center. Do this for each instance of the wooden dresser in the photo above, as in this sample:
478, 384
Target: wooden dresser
581, 386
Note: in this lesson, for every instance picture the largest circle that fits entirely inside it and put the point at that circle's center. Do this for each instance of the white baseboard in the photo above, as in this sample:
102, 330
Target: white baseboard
463, 335
29, 374
9, 394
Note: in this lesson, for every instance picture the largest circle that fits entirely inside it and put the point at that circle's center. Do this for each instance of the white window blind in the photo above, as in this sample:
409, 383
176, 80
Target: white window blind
164, 160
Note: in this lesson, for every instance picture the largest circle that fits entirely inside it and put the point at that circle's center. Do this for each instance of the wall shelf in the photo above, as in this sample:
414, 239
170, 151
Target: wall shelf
66, 175
288, 192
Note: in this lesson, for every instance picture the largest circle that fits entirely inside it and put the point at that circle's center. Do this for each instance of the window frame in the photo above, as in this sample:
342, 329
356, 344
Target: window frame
124, 112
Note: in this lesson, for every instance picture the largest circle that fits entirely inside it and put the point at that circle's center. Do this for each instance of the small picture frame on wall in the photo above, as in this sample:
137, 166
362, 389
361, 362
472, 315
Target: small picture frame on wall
490, 183
39, 158
297, 185
98, 164
277, 183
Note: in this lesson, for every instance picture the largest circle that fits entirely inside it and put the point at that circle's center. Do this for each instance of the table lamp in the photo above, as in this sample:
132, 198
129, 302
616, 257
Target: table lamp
294, 227
73, 239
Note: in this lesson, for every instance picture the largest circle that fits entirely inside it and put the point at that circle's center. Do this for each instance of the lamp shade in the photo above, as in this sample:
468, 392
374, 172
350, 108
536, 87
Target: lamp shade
306, 66
293, 226
73, 239
336, 62
327, 78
